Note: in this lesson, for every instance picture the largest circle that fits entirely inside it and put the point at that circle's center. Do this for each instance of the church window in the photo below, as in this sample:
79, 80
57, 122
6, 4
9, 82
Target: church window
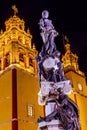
30, 110
80, 86
21, 57
30, 62
20, 38
20, 26
7, 60
0, 64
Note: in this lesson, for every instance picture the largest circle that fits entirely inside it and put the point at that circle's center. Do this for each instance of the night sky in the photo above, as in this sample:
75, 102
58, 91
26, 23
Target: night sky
69, 17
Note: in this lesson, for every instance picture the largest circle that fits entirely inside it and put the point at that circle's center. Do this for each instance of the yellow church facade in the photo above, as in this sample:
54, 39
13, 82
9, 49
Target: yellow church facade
19, 87
18, 77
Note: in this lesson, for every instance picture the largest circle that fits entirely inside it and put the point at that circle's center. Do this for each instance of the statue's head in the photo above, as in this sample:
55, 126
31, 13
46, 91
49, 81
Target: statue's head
45, 14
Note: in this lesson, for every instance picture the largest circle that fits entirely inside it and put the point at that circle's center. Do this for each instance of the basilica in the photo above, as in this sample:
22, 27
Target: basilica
19, 84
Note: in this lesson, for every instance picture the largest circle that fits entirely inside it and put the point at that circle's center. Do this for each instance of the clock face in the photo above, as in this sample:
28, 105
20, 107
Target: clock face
80, 87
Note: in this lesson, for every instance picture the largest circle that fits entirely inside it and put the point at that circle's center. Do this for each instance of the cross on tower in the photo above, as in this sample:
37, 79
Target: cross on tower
66, 38
15, 9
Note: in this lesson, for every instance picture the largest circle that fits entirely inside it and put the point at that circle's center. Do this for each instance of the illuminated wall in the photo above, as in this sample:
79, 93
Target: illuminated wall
6, 101
27, 93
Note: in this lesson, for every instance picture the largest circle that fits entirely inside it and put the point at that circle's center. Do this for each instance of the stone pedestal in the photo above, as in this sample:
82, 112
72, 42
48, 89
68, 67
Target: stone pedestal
47, 87
52, 125
48, 96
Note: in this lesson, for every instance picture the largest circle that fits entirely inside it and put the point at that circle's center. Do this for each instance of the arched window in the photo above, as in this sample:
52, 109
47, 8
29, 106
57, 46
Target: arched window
0, 64
7, 60
21, 57
20, 26
30, 62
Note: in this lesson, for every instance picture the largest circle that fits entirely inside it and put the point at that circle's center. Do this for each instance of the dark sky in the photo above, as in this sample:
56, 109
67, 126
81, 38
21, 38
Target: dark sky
69, 17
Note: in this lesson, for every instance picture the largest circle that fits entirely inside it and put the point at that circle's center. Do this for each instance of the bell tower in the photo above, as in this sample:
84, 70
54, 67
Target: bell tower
72, 71
18, 77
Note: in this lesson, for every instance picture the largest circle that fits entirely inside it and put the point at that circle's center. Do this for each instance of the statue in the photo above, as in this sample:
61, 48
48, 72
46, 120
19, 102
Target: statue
60, 111
48, 33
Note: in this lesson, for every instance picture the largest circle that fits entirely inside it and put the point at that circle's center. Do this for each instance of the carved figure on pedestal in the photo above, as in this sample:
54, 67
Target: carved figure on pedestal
48, 33
64, 109
53, 85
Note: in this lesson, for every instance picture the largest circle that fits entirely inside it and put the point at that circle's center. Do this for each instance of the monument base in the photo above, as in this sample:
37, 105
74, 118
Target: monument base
52, 125
47, 87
